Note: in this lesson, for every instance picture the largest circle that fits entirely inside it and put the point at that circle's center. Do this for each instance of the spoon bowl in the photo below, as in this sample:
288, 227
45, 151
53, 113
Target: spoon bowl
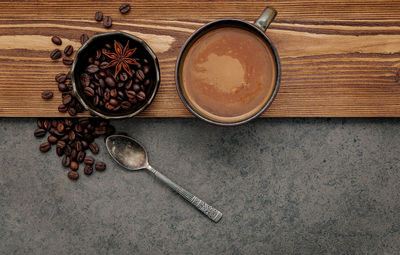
131, 155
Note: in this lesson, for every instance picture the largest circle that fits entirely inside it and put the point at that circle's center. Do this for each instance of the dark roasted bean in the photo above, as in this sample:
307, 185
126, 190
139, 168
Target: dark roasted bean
94, 148
98, 16
72, 111
88, 91
54, 123
107, 22
123, 76
47, 124
140, 75
44, 147
136, 88
67, 150
60, 127
78, 128
84, 38
61, 144
126, 105
62, 108
39, 123
85, 145
73, 175
39, 132
124, 8
69, 75
67, 99
62, 87
113, 93
141, 96
52, 139
67, 61
55, 54
74, 154
74, 165
100, 166
68, 50
88, 170
89, 160
81, 156
110, 81
61, 77
59, 152
103, 65
92, 68
114, 102
47, 94
66, 161
78, 146
131, 94
56, 40
146, 69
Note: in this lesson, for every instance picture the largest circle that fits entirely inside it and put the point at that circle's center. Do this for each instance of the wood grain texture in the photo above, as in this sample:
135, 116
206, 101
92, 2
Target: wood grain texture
339, 58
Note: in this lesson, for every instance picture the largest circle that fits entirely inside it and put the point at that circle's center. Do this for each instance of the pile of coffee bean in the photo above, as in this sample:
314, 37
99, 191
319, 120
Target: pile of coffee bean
72, 137
113, 79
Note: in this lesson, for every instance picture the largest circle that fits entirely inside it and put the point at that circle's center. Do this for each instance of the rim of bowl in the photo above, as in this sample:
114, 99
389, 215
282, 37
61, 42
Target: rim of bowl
184, 48
125, 115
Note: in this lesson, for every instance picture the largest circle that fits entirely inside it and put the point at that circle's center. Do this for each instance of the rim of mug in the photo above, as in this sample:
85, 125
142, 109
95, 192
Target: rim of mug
185, 48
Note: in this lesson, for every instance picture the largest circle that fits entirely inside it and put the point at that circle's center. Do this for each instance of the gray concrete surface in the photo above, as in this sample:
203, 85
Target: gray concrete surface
285, 186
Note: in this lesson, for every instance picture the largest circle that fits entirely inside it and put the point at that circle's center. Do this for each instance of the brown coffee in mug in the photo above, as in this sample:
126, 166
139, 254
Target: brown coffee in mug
228, 72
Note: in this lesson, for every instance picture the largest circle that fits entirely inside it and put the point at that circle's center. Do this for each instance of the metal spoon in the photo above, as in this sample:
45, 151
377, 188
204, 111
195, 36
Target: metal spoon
131, 155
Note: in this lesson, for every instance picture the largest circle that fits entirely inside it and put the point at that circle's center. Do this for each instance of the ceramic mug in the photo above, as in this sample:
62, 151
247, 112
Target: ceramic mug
258, 29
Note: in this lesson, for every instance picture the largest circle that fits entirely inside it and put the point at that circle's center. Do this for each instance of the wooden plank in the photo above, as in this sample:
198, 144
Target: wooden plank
338, 58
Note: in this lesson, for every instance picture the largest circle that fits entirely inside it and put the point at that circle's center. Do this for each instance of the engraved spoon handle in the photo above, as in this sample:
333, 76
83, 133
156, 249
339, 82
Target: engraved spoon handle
202, 206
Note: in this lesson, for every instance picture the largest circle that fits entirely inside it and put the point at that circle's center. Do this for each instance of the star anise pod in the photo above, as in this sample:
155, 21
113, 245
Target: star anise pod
121, 58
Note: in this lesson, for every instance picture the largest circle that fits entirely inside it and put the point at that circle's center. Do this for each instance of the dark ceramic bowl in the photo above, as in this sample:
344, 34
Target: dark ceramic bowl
143, 51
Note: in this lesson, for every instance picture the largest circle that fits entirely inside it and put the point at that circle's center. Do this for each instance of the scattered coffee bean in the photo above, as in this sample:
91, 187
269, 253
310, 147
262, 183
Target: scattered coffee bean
100, 166
68, 61
73, 175
44, 147
62, 108
66, 161
59, 152
84, 38
62, 87
47, 94
88, 170
124, 8
68, 50
74, 165
98, 16
81, 156
61, 77
56, 40
55, 54
89, 160
61, 144
72, 111
52, 139
67, 99
94, 148
39, 132
107, 22
47, 124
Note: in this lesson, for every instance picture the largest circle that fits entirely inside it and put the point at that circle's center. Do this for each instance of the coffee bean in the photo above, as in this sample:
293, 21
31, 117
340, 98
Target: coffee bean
52, 139
74, 165
67, 99
106, 95
60, 127
103, 65
113, 93
44, 147
69, 75
55, 54
62, 108
47, 94
146, 69
78, 146
74, 154
85, 145
84, 38
81, 156
131, 94
98, 16
78, 128
88, 170
88, 91
98, 56
59, 152
68, 150
141, 96
68, 61
128, 85
56, 40
123, 76
68, 50
61, 77
110, 81
54, 123
73, 175
92, 68
61, 144
140, 75
89, 160
126, 105
62, 87
85, 79
66, 161
100, 166
116, 108
100, 130
39, 132
94, 148
124, 8
39, 123
107, 22
72, 111
46, 124
113, 102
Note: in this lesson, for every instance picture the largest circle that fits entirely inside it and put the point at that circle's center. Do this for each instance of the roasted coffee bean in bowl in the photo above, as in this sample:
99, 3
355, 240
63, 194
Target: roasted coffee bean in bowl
115, 75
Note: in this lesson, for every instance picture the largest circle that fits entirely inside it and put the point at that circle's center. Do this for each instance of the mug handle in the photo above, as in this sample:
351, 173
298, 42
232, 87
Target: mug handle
265, 18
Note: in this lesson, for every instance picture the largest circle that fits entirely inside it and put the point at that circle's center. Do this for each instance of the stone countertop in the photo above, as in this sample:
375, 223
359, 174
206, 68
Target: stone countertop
285, 186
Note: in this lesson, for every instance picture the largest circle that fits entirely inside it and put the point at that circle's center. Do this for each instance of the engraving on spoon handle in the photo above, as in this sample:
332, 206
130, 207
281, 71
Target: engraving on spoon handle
202, 206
